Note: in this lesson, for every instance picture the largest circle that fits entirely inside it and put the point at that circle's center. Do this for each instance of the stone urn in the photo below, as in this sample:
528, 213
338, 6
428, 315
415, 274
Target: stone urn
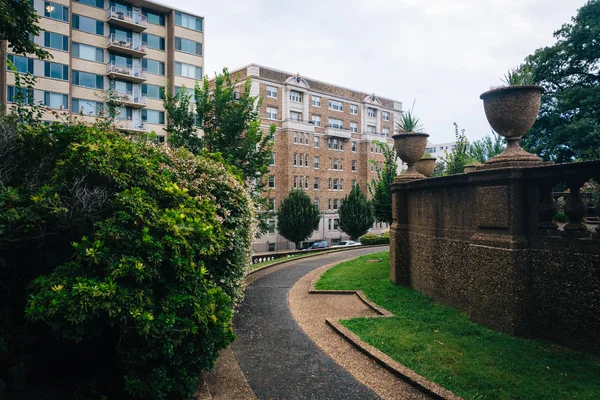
512, 111
425, 166
410, 147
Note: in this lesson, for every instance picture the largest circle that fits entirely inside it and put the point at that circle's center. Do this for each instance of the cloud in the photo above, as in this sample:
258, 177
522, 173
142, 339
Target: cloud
444, 53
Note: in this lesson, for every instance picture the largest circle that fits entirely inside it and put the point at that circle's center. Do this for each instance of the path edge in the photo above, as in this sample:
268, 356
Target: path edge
406, 374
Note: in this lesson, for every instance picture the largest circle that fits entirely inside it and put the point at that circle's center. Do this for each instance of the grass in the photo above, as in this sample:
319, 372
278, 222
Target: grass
288, 258
441, 344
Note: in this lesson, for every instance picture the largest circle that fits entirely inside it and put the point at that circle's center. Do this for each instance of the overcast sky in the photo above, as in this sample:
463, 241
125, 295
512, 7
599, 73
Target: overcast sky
443, 53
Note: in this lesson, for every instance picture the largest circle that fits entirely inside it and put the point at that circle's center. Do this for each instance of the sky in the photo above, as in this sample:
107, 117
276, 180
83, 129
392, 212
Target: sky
439, 54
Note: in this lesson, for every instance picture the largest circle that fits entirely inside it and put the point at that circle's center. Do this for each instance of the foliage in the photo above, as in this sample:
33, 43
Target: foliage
522, 75
230, 122
380, 188
457, 159
426, 155
372, 239
19, 25
486, 148
140, 252
568, 125
443, 345
408, 123
561, 217
356, 214
297, 217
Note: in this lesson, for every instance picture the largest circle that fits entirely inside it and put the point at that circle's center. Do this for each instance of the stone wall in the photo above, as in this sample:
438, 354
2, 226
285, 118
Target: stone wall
484, 242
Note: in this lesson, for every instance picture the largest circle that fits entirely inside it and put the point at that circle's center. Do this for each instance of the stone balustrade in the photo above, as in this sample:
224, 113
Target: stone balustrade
485, 242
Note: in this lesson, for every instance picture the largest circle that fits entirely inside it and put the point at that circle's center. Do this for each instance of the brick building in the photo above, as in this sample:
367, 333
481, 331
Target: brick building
135, 48
323, 143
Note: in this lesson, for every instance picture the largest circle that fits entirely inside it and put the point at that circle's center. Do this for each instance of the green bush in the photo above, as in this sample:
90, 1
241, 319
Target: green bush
561, 217
128, 252
371, 239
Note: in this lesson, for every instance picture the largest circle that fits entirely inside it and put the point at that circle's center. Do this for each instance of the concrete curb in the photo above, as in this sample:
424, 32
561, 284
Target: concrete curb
325, 252
406, 374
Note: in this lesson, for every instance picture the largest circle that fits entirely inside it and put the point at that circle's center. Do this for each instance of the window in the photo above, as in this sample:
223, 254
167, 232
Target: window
334, 144
316, 183
316, 119
88, 80
153, 116
124, 113
271, 113
316, 201
22, 64
306, 182
271, 224
189, 92
56, 40
188, 46
301, 159
188, 70
385, 115
316, 101
87, 52
329, 186
306, 138
154, 17
295, 116
152, 91
93, 3
335, 201
385, 132
56, 11
271, 203
353, 182
336, 105
336, 222
354, 127
316, 142
295, 182
329, 219
354, 147
153, 66
430, 149
371, 112
271, 181
187, 21
371, 129
353, 109
21, 95
154, 42
353, 165
56, 71
336, 123
56, 100
87, 107
306, 160
316, 162
272, 92
295, 137
272, 160
295, 96
88, 25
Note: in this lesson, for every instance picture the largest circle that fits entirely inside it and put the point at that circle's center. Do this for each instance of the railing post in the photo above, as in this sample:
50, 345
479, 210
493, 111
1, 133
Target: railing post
547, 208
575, 207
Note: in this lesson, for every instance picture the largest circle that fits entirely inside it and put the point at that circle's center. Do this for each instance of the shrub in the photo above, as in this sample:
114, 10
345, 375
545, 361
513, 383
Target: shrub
561, 217
140, 254
372, 239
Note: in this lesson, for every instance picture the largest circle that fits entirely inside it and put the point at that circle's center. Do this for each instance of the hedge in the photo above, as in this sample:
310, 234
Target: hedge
371, 239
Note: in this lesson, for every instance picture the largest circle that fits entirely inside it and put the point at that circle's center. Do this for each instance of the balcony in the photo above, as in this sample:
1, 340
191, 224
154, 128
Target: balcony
298, 125
126, 19
128, 72
130, 125
340, 133
129, 99
126, 45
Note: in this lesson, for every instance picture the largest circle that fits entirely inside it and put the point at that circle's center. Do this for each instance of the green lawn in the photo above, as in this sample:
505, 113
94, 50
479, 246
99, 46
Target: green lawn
441, 343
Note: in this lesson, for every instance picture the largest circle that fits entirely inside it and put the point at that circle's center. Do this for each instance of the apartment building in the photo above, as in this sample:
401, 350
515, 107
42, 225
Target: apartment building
323, 143
135, 48
439, 150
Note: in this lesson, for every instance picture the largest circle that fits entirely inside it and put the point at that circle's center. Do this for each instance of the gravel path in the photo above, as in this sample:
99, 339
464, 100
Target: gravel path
277, 358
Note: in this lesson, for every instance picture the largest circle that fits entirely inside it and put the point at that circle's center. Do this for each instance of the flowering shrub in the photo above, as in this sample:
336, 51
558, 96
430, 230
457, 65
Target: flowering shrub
132, 254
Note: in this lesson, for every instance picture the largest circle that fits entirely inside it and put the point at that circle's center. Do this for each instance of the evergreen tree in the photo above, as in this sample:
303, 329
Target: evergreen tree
380, 188
356, 214
297, 217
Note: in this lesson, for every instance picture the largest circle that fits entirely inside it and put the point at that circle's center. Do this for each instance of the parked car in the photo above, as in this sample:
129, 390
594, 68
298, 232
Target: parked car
321, 244
346, 243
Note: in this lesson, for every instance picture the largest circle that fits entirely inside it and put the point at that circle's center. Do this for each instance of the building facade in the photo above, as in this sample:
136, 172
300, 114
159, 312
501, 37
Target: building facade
323, 144
134, 48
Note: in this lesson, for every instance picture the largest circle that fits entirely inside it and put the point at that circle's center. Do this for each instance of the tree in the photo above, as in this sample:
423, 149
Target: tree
297, 217
456, 160
380, 188
568, 125
356, 214
181, 123
18, 26
486, 148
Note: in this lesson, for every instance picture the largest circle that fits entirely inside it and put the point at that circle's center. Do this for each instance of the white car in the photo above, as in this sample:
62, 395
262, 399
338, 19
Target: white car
346, 243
